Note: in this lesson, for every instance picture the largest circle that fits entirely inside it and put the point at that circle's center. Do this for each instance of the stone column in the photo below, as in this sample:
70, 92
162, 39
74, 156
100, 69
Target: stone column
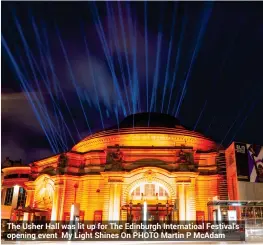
29, 202
15, 196
182, 204
57, 206
111, 202
114, 202
190, 201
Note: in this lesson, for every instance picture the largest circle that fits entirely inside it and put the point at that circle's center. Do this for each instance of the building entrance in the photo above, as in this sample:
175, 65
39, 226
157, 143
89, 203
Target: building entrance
149, 202
151, 213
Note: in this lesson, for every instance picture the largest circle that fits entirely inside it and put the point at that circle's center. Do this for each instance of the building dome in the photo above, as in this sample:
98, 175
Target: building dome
146, 129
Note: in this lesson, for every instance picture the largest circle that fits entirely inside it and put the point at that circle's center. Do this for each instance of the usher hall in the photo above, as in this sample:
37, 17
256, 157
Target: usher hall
149, 167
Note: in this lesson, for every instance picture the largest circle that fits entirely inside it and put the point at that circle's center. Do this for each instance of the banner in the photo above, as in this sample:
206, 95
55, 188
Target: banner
255, 162
241, 156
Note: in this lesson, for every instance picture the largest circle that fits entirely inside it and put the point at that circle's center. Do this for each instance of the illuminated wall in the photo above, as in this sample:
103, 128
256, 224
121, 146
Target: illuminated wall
101, 189
206, 189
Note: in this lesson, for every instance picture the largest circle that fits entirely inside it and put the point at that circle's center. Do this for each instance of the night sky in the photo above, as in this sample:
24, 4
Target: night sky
73, 68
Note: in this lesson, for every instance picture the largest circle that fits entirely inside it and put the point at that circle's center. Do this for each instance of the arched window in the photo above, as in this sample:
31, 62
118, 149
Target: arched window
149, 191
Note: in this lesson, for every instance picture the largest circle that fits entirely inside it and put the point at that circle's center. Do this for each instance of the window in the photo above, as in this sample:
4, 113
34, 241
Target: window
9, 196
11, 176
149, 190
21, 197
97, 216
162, 192
137, 191
23, 175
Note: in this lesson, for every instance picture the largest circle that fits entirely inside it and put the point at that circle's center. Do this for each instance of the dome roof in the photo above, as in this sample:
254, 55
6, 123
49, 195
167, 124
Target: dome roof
146, 130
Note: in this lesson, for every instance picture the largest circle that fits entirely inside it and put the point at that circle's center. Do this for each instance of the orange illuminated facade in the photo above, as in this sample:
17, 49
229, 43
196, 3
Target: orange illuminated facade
144, 169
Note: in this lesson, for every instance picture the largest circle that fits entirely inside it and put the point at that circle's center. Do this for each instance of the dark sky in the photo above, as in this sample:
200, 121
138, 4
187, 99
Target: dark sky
62, 91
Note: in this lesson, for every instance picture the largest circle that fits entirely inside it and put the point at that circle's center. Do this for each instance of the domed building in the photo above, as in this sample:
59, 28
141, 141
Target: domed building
149, 167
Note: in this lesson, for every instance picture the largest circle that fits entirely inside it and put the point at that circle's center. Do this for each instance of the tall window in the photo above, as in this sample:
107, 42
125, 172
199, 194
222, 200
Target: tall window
137, 191
162, 192
9, 196
149, 190
21, 197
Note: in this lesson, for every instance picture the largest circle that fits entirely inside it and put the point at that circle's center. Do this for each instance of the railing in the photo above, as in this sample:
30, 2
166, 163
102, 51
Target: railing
254, 229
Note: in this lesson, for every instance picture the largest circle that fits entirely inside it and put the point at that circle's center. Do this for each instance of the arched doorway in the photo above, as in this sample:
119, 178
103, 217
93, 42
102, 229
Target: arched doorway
40, 207
149, 201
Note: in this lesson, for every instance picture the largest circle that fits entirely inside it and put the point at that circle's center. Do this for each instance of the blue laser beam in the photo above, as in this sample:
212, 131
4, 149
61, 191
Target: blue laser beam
43, 107
125, 46
93, 80
40, 106
26, 47
146, 54
136, 79
101, 34
116, 42
30, 59
244, 120
200, 115
156, 76
50, 61
57, 84
136, 91
169, 57
117, 117
40, 46
21, 78
234, 122
132, 35
206, 132
157, 64
73, 78
215, 81
197, 46
176, 66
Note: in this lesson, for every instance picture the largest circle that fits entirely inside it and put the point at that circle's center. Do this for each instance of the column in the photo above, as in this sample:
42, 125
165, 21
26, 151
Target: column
117, 201
57, 206
114, 203
111, 202
181, 196
190, 201
29, 202
15, 196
